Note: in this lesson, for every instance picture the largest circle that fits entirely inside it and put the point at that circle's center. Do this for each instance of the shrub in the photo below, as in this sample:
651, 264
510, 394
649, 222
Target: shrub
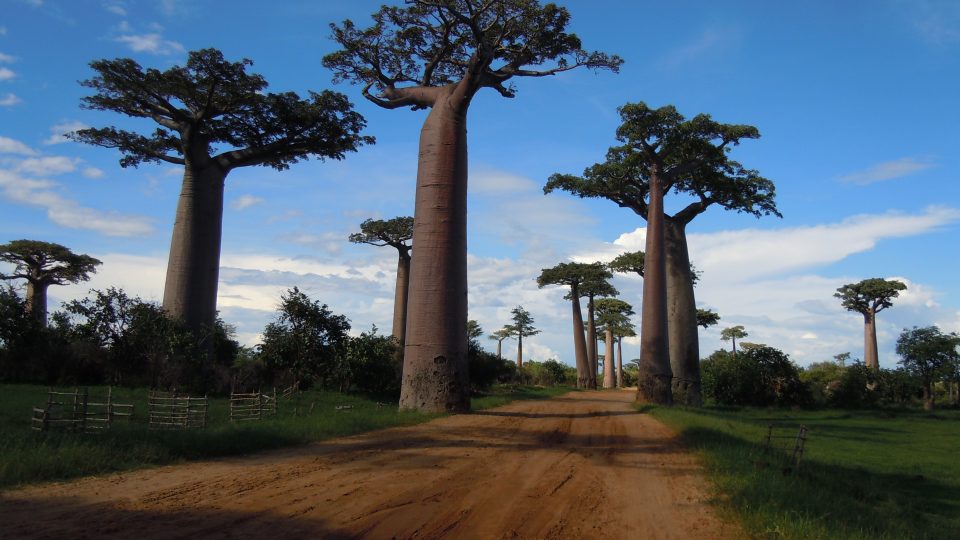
760, 376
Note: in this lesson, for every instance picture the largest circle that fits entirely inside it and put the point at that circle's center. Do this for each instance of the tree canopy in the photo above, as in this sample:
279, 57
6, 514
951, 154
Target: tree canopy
46, 263
394, 232
707, 318
870, 295
212, 105
734, 333
522, 323
411, 51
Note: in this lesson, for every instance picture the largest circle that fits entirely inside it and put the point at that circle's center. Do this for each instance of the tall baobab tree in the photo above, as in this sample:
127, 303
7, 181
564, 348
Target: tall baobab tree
212, 117
597, 285
499, 336
42, 264
662, 151
395, 233
733, 333
612, 314
868, 298
437, 54
627, 329
522, 326
573, 275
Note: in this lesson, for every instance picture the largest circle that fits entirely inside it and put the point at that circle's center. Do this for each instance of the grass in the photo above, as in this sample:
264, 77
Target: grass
27, 456
865, 474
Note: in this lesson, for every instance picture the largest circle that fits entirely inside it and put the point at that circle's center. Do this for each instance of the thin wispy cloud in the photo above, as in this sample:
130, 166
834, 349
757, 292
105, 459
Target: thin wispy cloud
245, 201
152, 43
10, 100
936, 21
47, 166
887, 170
116, 7
12, 146
708, 43
93, 173
6, 58
59, 131
6, 74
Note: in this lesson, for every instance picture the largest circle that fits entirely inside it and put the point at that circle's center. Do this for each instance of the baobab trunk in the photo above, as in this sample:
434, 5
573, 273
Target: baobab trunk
870, 356
620, 363
609, 377
592, 338
927, 396
400, 300
435, 376
579, 341
519, 351
682, 317
654, 380
37, 301
499, 348
193, 269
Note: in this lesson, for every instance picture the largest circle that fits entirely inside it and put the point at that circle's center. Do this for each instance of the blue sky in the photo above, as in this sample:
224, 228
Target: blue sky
856, 102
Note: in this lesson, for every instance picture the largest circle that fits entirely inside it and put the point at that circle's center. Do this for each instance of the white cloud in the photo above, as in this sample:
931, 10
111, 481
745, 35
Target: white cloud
6, 74
3, 30
59, 131
12, 146
151, 43
6, 58
47, 166
35, 2
245, 201
494, 182
709, 43
887, 170
93, 172
66, 212
9, 100
115, 7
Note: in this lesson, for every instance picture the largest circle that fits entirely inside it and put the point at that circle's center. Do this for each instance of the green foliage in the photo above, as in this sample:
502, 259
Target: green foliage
734, 333
631, 261
522, 323
210, 102
929, 355
763, 376
707, 318
855, 388
486, 369
395, 232
548, 373
869, 295
46, 263
306, 342
885, 475
372, 366
474, 331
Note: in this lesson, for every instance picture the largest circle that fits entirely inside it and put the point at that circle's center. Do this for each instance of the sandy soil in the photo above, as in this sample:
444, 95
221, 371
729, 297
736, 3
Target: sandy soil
581, 466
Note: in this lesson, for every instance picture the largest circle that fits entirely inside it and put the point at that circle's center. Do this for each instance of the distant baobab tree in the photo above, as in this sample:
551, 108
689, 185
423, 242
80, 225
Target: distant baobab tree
437, 56
499, 336
522, 326
707, 318
869, 297
612, 314
733, 333
212, 117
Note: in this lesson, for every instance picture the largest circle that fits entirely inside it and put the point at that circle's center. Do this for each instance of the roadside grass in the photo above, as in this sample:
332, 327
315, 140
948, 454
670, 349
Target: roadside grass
28, 456
505, 393
878, 474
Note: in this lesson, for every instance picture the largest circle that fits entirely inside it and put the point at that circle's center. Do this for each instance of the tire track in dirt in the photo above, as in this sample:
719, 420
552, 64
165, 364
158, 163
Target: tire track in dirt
584, 465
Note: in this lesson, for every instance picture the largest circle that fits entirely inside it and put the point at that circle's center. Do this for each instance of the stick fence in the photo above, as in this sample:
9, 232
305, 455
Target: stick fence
170, 411
252, 406
74, 411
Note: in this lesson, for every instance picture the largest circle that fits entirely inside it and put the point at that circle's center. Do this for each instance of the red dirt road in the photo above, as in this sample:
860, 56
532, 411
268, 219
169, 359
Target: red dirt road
585, 465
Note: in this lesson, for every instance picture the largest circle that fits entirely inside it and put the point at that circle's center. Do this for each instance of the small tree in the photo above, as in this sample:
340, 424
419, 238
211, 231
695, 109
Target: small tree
733, 333
395, 233
522, 326
499, 336
930, 355
612, 314
707, 318
43, 264
437, 55
868, 298
842, 358
207, 103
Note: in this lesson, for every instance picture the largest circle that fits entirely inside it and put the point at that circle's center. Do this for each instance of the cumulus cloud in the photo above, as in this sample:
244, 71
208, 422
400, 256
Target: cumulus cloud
12, 146
9, 100
152, 43
116, 7
888, 170
47, 166
6, 74
245, 201
6, 58
93, 172
58, 131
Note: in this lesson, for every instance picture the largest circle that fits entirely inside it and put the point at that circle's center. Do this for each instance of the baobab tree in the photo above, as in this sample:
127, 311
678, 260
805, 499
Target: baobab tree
707, 318
573, 275
522, 326
597, 285
42, 264
212, 117
499, 336
733, 333
868, 298
627, 329
611, 314
663, 151
395, 233
437, 54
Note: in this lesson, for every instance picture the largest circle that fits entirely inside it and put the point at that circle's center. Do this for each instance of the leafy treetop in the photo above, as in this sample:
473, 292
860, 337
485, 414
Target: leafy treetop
522, 323
210, 102
613, 313
734, 332
572, 274
412, 51
928, 352
474, 330
707, 318
395, 232
502, 334
870, 295
46, 263
688, 156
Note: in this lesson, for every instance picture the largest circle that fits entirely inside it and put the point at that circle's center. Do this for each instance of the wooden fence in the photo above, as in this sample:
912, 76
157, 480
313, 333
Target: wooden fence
799, 442
170, 411
252, 406
75, 411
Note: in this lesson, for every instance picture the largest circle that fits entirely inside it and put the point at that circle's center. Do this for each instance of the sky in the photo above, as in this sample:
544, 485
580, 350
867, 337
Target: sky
856, 102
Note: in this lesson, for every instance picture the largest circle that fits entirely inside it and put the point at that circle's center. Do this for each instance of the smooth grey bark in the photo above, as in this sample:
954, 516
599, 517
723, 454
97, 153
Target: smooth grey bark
609, 362
519, 350
193, 267
682, 316
435, 376
579, 340
400, 297
870, 355
620, 363
37, 300
655, 376
592, 338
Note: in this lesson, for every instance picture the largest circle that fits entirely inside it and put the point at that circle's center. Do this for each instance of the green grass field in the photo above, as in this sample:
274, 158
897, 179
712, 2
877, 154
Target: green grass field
865, 474
28, 456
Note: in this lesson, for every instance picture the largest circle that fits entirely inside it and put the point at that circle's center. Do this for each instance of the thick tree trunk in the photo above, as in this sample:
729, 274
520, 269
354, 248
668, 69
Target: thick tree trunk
870, 356
193, 269
435, 376
499, 349
682, 317
579, 340
519, 351
37, 300
592, 338
620, 363
927, 396
609, 362
400, 300
655, 377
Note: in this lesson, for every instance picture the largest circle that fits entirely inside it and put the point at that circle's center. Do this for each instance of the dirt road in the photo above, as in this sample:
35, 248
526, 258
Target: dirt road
581, 466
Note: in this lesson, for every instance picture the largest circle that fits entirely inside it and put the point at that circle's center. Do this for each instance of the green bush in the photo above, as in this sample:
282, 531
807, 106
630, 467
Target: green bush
760, 376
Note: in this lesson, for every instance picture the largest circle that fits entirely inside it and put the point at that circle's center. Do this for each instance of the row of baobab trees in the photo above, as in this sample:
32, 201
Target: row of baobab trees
212, 117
